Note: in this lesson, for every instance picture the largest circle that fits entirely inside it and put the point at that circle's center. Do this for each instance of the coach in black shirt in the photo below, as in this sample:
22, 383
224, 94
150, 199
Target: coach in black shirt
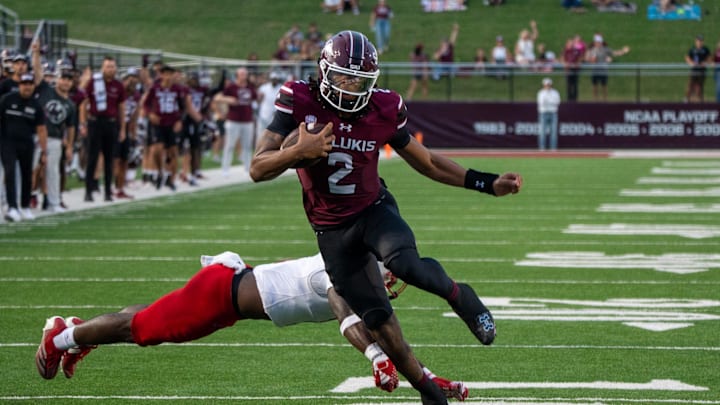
21, 116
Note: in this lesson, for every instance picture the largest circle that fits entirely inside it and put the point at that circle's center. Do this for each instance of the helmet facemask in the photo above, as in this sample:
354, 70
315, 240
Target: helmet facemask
346, 89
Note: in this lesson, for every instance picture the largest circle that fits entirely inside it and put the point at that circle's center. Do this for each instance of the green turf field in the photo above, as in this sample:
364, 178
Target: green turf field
575, 297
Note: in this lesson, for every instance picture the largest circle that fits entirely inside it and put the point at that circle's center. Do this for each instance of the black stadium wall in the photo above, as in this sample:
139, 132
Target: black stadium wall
581, 125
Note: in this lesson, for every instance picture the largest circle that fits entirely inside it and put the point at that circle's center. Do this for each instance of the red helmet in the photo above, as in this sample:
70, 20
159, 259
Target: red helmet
391, 282
347, 71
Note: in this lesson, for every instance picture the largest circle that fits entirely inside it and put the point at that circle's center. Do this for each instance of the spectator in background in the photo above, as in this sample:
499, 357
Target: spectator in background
314, 35
102, 120
525, 46
548, 102
446, 54
716, 61
420, 72
281, 53
573, 56
295, 39
480, 60
380, 24
574, 6
697, 57
499, 57
266, 94
239, 97
337, 6
545, 58
599, 56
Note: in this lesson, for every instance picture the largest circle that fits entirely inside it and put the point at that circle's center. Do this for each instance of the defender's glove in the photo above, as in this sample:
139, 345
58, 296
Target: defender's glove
386, 376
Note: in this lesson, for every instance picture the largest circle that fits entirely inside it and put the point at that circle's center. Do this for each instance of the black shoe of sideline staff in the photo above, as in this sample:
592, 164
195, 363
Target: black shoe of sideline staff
88, 197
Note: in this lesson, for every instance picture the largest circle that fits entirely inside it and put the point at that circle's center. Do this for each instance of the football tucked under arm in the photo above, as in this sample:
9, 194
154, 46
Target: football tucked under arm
292, 139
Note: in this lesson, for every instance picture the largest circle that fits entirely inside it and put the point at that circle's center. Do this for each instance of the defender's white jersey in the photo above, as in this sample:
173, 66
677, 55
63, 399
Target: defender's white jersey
295, 291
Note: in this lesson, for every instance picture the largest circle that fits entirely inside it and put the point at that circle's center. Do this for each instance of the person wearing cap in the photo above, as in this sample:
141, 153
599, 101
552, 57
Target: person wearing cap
599, 56
20, 67
21, 117
697, 57
60, 121
102, 121
548, 102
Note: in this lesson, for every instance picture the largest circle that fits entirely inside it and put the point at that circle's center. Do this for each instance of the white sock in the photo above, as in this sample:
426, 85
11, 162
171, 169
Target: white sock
428, 373
65, 340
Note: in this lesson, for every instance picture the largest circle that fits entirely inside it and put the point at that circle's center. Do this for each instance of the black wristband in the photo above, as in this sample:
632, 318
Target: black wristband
480, 181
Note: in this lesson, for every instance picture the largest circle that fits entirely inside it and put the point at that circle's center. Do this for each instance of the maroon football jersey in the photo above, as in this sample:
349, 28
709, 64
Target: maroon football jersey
166, 102
245, 95
347, 181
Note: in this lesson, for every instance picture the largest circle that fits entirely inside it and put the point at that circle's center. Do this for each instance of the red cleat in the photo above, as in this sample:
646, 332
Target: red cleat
47, 358
74, 355
452, 389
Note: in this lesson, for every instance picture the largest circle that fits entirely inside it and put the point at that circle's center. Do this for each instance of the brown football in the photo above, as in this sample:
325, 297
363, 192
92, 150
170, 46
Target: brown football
292, 138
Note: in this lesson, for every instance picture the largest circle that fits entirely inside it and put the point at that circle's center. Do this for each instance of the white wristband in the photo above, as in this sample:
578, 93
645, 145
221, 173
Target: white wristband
348, 322
373, 351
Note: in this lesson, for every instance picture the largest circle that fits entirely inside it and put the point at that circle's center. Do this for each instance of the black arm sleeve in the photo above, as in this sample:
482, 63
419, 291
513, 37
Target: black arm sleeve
282, 123
401, 138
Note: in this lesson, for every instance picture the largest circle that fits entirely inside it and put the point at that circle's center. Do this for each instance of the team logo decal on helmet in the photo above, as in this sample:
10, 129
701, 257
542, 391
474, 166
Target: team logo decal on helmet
348, 70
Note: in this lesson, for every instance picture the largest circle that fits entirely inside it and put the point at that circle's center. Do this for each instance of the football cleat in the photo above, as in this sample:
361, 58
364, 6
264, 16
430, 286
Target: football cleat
475, 315
452, 389
75, 354
47, 358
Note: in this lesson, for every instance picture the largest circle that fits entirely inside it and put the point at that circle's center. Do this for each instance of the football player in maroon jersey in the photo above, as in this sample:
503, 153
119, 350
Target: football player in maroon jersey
164, 104
355, 218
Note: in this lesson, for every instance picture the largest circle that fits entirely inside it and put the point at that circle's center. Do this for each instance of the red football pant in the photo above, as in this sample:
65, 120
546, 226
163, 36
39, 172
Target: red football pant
198, 309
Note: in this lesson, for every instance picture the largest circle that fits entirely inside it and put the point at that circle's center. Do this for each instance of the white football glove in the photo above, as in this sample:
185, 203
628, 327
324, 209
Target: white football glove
386, 376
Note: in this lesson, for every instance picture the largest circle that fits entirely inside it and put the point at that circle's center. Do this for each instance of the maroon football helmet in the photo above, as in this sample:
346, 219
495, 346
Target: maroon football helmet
347, 71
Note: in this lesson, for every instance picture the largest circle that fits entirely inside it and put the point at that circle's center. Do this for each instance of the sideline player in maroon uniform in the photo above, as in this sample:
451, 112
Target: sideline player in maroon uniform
355, 219
164, 105
191, 149
122, 149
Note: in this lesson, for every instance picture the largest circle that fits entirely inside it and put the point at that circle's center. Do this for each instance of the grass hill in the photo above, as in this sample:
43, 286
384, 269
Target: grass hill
235, 28
232, 28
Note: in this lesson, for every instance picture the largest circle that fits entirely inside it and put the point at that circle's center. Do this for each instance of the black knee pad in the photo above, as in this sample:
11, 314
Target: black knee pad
376, 317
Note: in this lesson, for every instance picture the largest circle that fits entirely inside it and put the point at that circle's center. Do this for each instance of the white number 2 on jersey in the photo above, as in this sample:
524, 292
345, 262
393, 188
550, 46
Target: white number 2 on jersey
334, 179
